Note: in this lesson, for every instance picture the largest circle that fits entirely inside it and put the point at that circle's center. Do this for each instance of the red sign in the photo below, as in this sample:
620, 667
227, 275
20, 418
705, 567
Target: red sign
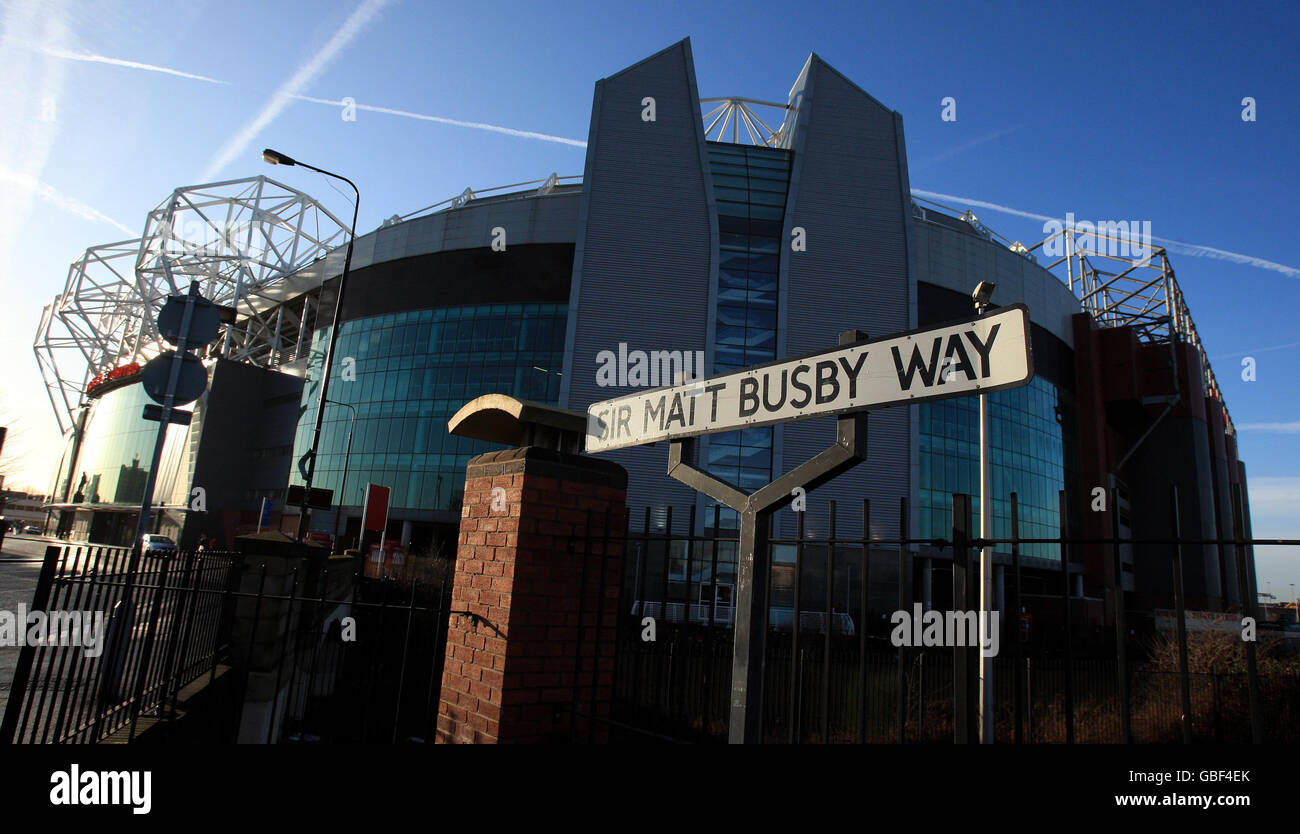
375, 515
120, 372
384, 559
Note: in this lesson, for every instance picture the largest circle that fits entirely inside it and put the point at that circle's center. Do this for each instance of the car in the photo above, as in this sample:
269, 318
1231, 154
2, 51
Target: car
157, 543
32, 530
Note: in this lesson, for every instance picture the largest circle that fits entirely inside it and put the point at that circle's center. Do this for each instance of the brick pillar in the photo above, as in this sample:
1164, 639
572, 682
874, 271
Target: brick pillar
530, 619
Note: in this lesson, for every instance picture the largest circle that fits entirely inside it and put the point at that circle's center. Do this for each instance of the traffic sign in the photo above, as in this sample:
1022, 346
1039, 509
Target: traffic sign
205, 320
180, 418
976, 356
190, 382
321, 499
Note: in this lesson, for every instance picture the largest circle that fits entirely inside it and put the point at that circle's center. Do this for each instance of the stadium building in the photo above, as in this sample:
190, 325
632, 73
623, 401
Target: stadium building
732, 230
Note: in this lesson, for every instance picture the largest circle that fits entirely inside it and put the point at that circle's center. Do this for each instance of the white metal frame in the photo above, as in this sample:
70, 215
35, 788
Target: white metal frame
237, 238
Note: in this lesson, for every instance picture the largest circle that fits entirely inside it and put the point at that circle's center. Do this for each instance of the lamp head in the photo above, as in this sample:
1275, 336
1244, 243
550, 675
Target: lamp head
983, 293
277, 158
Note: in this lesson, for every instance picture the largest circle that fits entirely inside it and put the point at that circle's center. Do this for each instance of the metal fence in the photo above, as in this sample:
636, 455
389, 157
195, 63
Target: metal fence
837, 677
326, 653
91, 673
361, 666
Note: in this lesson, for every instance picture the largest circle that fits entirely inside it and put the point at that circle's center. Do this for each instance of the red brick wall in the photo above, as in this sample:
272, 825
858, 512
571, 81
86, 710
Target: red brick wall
509, 672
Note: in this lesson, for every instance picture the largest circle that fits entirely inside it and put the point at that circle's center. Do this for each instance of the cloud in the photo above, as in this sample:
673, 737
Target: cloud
1193, 249
1280, 428
353, 26
118, 62
53, 196
509, 131
30, 95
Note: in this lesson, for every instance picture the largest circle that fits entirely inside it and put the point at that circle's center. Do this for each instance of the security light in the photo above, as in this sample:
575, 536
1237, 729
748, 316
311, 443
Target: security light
983, 292
277, 158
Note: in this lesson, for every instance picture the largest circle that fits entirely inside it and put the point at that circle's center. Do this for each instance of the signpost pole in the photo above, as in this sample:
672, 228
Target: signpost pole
749, 658
151, 480
987, 593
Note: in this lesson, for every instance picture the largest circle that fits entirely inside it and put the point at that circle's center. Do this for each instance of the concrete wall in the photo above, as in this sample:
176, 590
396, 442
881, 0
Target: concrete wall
950, 256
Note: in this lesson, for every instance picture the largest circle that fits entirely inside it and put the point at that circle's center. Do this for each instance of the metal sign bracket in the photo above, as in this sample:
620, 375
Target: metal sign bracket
756, 511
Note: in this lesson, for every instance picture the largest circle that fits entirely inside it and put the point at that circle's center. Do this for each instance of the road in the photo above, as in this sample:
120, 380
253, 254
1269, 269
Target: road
20, 563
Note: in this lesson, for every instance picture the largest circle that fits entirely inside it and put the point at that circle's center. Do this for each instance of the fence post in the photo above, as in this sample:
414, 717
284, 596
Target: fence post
1029, 704
1016, 622
961, 584
1184, 676
904, 603
796, 659
1244, 586
826, 641
1069, 623
1121, 627
920, 697
1218, 705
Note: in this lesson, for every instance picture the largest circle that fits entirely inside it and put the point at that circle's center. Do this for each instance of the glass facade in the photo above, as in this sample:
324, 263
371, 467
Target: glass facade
750, 185
113, 461
409, 373
1030, 454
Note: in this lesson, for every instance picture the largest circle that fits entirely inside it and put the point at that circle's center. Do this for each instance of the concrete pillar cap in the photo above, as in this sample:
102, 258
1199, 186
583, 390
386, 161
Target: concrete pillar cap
500, 418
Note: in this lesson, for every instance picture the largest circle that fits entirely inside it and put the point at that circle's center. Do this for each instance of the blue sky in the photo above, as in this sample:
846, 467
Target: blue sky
1115, 111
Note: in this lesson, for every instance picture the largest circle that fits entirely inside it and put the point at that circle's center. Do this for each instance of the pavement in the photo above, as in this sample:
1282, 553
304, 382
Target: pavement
20, 564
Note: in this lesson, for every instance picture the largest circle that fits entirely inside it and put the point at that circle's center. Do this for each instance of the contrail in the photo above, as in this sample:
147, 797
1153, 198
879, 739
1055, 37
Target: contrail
944, 156
509, 131
52, 195
362, 15
1281, 428
1193, 249
1256, 350
118, 62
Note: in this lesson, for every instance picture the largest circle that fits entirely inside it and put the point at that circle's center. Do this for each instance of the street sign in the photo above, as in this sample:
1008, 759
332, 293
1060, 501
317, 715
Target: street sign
190, 382
975, 356
374, 516
180, 418
204, 321
321, 499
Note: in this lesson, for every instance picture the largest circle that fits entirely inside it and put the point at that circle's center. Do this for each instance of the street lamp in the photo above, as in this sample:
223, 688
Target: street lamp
347, 457
984, 292
277, 158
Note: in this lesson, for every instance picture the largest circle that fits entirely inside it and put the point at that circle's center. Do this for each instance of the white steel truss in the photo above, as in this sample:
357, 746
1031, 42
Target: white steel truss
237, 238
1121, 289
1120, 280
735, 111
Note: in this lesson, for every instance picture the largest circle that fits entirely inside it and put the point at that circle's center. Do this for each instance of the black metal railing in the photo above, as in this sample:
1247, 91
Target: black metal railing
362, 657
101, 674
1073, 668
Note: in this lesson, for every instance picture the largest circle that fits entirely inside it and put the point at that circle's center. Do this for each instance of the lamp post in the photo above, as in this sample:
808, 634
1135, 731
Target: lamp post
983, 292
347, 457
277, 158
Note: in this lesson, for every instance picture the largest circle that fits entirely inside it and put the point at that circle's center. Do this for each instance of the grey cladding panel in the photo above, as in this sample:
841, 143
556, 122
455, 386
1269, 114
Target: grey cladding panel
642, 272
847, 194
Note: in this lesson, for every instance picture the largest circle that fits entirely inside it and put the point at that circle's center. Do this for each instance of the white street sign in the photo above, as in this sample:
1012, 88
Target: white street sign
978, 356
